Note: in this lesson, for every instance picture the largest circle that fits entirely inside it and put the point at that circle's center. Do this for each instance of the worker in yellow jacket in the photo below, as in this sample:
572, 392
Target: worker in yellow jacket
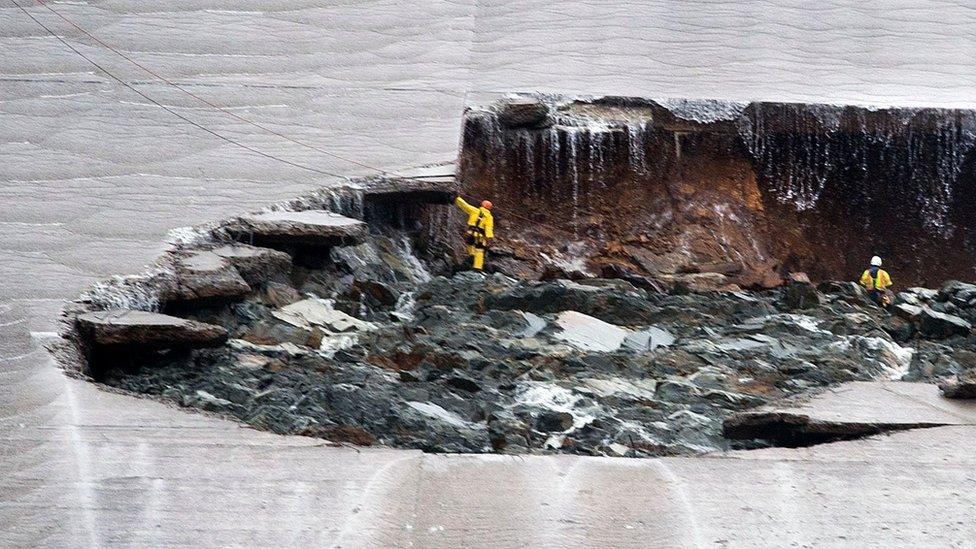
877, 281
481, 229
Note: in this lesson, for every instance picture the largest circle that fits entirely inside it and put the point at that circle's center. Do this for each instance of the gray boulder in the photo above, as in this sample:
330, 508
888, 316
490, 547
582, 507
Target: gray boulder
933, 324
906, 311
953, 288
962, 387
204, 275
799, 293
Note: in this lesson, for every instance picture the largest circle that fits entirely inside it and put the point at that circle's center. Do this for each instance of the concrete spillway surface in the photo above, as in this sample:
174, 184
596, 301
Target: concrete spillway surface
94, 177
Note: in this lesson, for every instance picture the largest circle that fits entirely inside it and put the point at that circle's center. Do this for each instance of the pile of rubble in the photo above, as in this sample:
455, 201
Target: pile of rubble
331, 326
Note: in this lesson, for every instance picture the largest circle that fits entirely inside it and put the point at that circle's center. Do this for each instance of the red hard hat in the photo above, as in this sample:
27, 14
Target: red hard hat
486, 204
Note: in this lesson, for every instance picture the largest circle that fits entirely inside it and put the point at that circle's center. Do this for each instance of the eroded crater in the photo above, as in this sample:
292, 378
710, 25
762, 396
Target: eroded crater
347, 314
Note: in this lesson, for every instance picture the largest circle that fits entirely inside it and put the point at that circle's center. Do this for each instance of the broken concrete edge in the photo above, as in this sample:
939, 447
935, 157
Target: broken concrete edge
789, 429
126, 328
158, 285
665, 111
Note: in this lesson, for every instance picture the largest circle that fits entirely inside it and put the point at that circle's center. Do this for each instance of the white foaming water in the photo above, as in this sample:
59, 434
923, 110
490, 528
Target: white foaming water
704, 110
404, 306
132, 292
189, 236
893, 358
553, 397
418, 270
437, 412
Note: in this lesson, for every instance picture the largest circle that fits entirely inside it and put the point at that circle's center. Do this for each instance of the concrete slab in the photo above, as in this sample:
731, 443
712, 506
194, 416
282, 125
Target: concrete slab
852, 409
887, 402
317, 227
146, 329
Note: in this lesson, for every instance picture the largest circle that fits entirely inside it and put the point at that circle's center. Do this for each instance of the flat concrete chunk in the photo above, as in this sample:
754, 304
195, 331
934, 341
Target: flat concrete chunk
205, 275
431, 184
589, 334
858, 407
123, 327
255, 264
319, 312
305, 227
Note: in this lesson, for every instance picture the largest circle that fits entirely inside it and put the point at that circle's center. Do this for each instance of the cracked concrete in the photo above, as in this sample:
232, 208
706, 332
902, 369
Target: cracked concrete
93, 178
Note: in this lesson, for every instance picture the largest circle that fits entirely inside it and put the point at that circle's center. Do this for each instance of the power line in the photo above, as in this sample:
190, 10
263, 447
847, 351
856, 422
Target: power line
164, 107
203, 99
215, 106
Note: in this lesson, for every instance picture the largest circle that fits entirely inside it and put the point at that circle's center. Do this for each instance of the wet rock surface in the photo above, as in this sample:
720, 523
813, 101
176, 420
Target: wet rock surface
368, 347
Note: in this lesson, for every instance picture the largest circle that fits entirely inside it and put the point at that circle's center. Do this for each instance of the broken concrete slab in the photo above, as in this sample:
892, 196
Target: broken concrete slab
127, 328
588, 333
523, 112
204, 275
314, 227
854, 409
256, 265
312, 312
427, 185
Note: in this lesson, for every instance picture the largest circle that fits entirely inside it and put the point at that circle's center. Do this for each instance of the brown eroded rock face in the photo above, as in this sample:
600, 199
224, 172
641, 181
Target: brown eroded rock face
715, 195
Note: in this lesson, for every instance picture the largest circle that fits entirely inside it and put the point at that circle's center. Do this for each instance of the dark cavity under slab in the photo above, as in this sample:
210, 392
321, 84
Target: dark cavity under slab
787, 430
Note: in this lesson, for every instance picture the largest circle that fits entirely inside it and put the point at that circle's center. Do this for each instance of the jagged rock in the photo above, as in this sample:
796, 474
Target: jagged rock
849, 292
648, 340
206, 401
800, 293
381, 293
954, 287
523, 112
204, 275
553, 421
908, 298
900, 329
962, 387
698, 282
934, 324
278, 295
906, 310
256, 265
315, 227
123, 327
430, 185
489, 364
463, 383
619, 306
726, 268
281, 350
925, 294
